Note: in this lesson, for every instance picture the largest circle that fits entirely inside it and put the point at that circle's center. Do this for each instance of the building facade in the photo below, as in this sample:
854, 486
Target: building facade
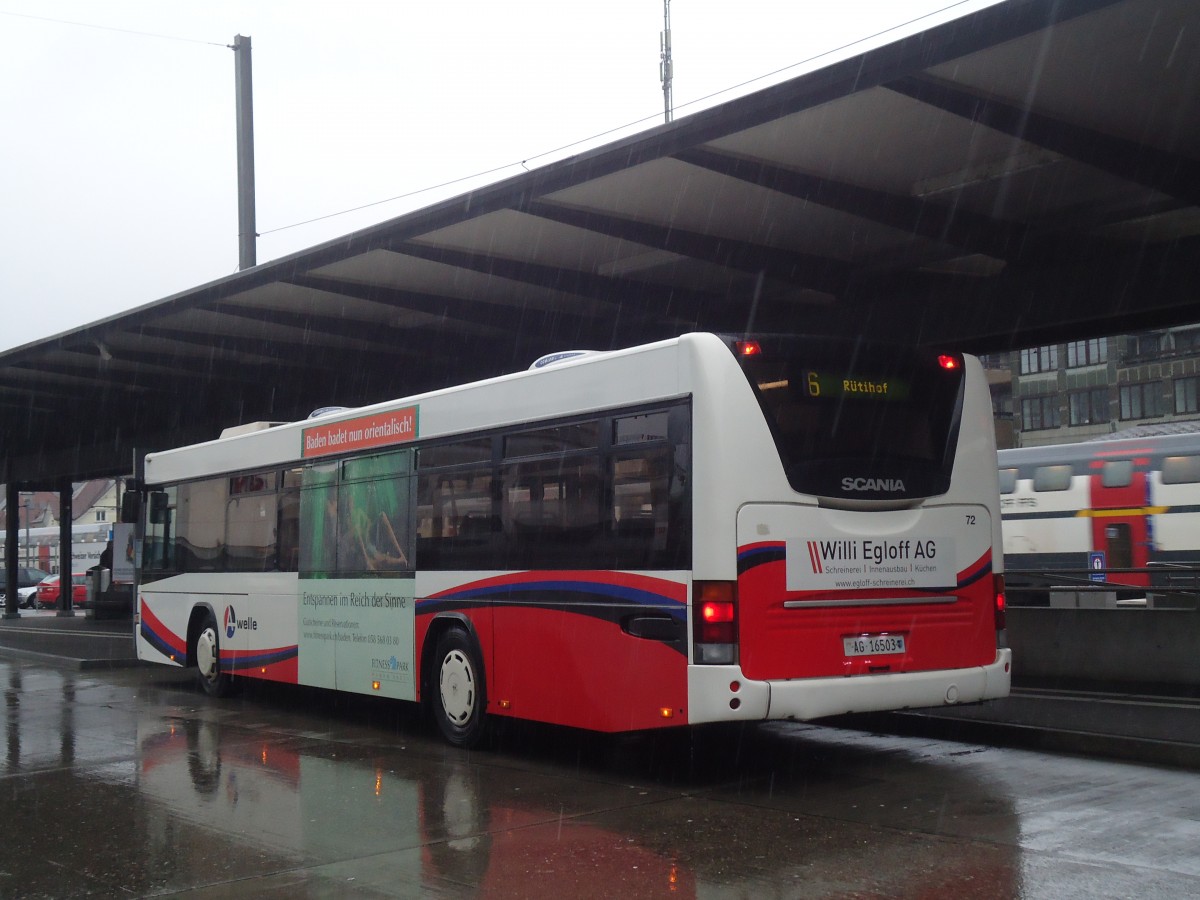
1079, 390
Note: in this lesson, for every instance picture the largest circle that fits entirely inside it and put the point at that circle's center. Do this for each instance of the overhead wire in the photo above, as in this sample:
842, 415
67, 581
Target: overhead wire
521, 163
149, 34
653, 117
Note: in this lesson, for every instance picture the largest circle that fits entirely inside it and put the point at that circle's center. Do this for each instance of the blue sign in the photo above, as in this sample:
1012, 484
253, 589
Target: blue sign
1098, 565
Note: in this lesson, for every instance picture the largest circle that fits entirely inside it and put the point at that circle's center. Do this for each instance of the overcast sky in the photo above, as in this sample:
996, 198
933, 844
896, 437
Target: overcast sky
118, 170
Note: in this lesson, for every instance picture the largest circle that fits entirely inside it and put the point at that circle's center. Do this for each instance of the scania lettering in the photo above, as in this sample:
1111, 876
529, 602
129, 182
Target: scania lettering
665, 535
872, 484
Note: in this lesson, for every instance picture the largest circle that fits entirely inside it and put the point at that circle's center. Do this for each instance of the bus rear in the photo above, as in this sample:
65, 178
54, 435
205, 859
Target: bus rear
868, 571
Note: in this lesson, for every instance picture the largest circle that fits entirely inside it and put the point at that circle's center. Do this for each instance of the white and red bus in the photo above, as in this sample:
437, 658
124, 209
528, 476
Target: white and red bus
694, 530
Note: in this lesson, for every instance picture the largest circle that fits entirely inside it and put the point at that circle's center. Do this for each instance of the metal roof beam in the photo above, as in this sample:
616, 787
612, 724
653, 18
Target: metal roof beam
1170, 173
803, 269
223, 347
457, 309
310, 324
1103, 292
953, 227
280, 353
655, 302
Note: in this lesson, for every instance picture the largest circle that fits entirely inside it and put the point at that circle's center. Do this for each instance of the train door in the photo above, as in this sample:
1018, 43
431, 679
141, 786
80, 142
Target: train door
1120, 527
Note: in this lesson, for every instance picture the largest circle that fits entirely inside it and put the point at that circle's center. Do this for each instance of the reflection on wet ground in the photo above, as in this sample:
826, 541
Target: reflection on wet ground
131, 783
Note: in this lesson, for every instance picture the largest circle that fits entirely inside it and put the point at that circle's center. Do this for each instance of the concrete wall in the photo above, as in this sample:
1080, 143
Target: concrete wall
1106, 645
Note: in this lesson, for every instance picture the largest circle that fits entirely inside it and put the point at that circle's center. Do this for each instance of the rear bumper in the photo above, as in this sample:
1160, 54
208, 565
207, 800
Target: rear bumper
721, 694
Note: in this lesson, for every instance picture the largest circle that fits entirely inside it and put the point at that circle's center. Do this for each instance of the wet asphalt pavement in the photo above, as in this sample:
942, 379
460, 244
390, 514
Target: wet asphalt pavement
128, 782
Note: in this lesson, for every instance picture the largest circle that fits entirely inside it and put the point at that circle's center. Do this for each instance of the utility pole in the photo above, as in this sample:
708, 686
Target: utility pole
244, 87
665, 66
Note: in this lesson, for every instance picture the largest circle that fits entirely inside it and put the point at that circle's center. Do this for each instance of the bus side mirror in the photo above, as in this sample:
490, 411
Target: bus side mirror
158, 507
131, 506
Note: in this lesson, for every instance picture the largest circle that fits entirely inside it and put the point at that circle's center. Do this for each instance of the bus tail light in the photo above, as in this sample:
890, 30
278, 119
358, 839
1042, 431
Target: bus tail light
714, 622
1001, 602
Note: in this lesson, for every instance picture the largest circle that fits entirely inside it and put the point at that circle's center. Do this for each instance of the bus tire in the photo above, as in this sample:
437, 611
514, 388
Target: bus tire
208, 660
459, 696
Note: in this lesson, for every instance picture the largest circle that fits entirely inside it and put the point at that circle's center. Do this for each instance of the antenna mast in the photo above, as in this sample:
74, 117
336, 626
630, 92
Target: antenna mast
664, 66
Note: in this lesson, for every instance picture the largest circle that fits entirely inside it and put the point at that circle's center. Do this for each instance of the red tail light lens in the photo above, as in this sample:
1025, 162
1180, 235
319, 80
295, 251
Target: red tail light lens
714, 621
748, 348
950, 361
1001, 602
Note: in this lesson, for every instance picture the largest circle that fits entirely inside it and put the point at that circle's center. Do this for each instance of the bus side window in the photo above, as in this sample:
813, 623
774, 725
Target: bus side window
456, 526
550, 511
318, 512
375, 514
200, 525
649, 469
640, 509
288, 545
251, 523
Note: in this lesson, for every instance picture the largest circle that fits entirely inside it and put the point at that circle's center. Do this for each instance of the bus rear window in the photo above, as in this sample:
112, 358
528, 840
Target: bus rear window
858, 421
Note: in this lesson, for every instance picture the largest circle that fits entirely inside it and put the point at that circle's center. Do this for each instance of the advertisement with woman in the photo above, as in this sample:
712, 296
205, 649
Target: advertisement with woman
356, 577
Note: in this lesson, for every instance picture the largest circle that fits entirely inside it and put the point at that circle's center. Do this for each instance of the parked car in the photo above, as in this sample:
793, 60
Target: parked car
47, 591
27, 582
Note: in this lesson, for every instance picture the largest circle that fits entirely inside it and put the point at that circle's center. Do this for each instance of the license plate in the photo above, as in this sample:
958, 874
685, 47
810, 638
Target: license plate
873, 644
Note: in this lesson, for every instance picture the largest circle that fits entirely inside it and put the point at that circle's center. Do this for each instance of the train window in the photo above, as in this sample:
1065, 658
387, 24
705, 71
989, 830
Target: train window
1052, 478
1117, 473
1181, 470
1008, 481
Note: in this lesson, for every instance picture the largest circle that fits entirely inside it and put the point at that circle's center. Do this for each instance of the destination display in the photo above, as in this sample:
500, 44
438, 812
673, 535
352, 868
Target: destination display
825, 385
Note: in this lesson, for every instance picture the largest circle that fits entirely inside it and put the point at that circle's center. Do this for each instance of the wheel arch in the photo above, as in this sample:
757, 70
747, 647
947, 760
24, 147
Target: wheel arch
442, 623
200, 612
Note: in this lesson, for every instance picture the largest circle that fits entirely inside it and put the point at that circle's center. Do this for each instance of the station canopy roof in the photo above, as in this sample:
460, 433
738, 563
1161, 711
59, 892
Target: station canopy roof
1026, 174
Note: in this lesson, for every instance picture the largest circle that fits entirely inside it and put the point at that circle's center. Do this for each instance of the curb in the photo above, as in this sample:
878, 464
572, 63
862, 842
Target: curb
1029, 737
68, 661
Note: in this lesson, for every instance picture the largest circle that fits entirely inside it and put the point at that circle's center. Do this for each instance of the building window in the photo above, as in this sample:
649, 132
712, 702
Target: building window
1039, 412
1145, 345
1087, 353
1039, 359
1089, 407
101, 515
1185, 394
1141, 401
1186, 341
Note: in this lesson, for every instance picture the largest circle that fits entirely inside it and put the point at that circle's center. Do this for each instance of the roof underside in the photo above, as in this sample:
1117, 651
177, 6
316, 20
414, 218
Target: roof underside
1025, 174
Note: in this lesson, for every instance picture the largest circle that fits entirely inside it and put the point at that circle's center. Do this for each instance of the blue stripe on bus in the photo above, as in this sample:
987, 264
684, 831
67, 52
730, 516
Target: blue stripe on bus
759, 555
266, 658
593, 590
158, 642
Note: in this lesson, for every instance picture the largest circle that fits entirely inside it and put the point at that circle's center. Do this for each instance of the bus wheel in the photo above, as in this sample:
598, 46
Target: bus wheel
459, 699
208, 660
